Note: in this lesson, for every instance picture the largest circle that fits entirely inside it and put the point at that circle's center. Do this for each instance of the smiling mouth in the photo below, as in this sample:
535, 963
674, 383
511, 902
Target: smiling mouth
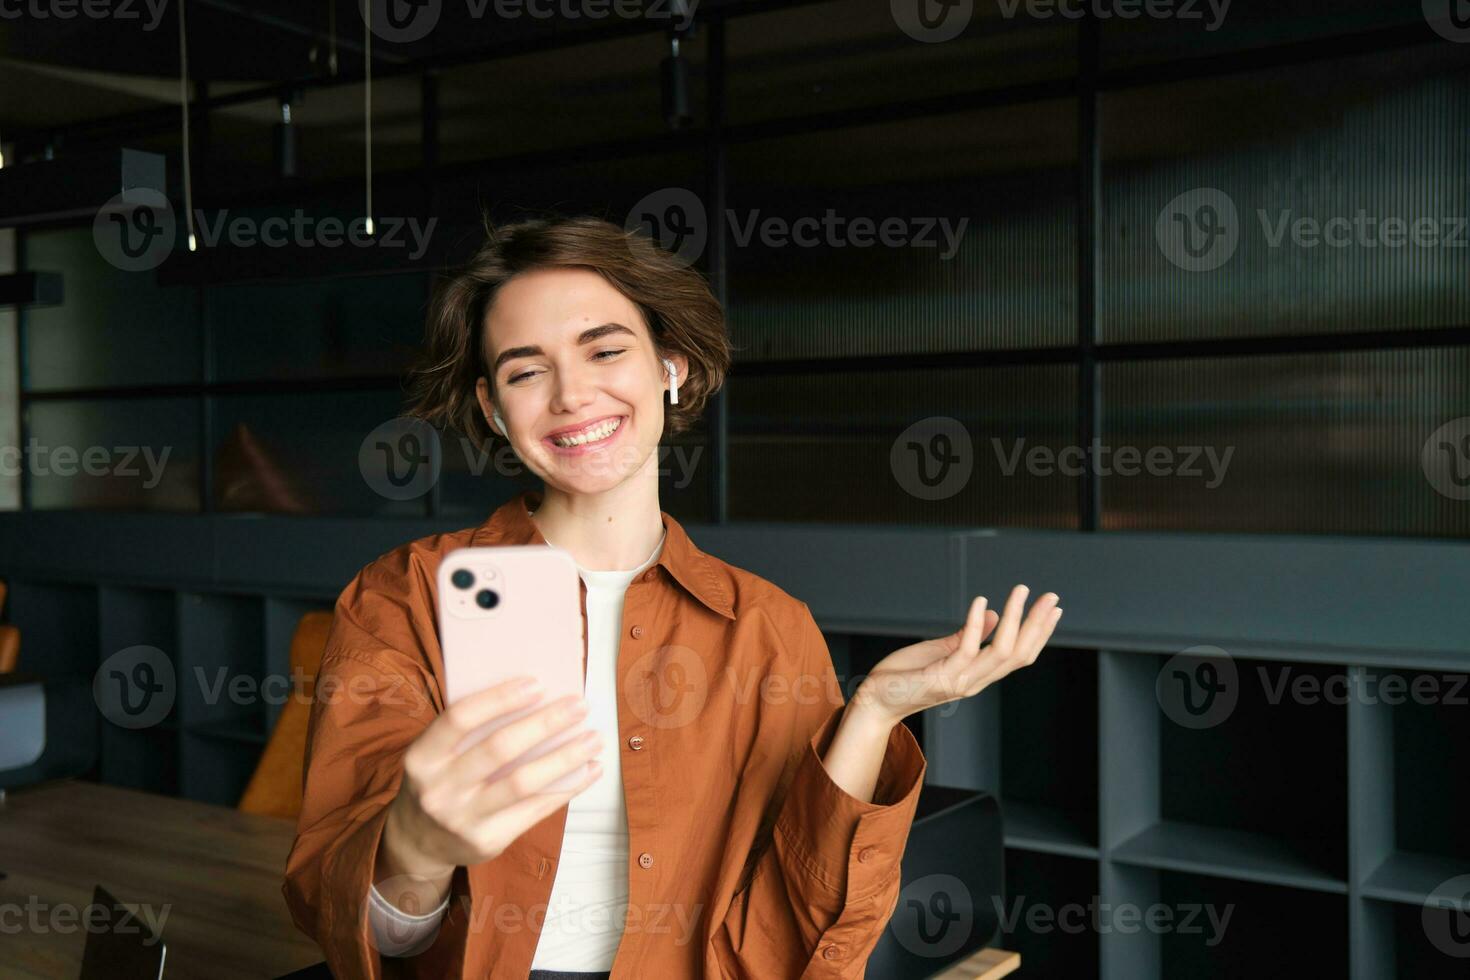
591, 435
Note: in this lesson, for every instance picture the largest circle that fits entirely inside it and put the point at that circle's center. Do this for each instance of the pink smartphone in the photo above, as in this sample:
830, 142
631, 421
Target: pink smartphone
509, 612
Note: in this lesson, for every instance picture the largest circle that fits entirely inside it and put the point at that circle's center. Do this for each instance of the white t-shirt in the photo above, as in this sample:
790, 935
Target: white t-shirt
584, 916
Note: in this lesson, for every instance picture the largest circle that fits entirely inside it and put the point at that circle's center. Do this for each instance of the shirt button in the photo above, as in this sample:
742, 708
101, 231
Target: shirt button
645, 860
637, 632
831, 952
635, 743
866, 854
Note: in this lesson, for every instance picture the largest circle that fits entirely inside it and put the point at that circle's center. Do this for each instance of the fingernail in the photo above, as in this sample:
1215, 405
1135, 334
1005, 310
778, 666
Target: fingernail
529, 686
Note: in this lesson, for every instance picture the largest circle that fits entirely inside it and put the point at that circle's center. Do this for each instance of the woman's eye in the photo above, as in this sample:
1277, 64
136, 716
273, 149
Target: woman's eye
614, 352
524, 374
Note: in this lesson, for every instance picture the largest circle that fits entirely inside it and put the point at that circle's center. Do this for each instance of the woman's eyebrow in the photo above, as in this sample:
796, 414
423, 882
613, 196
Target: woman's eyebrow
585, 337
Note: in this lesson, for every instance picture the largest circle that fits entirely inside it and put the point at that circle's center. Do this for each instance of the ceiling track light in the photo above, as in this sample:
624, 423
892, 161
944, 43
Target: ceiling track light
678, 104
367, 113
286, 133
184, 108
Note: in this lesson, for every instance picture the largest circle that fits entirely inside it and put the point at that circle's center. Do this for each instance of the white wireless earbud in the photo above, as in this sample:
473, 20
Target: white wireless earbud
500, 423
673, 381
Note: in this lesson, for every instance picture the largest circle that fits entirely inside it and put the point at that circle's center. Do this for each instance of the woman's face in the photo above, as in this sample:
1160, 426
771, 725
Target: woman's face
576, 379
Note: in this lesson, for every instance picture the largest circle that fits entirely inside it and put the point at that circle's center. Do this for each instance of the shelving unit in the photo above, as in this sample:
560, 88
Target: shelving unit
230, 655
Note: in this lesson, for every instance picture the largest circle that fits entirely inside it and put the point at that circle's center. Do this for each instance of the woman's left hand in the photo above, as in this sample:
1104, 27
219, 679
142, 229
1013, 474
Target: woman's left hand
952, 667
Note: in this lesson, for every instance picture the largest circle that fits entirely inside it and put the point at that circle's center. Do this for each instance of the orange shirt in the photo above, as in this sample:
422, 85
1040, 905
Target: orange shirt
745, 859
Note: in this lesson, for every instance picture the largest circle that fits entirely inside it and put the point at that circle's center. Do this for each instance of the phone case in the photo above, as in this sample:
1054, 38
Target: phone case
534, 628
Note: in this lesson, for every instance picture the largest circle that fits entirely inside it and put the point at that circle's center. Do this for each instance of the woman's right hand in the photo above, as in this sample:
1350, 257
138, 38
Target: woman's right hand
448, 813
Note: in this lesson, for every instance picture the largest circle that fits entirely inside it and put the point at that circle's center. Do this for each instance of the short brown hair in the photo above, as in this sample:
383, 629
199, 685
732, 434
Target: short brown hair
681, 314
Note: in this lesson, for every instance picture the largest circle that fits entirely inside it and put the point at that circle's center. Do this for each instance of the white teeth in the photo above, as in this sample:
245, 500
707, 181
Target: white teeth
594, 434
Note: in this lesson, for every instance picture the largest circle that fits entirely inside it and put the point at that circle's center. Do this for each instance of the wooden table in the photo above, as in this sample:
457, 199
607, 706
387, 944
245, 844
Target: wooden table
988, 964
216, 870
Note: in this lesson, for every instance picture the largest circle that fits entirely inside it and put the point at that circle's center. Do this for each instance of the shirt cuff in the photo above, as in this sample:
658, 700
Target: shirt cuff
397, 933
851, 847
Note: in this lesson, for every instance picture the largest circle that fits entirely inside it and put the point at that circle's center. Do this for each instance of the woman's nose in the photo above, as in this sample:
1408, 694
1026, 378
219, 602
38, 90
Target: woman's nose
572, 391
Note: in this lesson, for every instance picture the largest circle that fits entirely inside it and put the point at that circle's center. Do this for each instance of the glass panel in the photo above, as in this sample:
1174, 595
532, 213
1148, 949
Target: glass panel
371, 325
564, 97
941, 447
1323, 443
1214, 27
113, 328
613, 188
1337, 203
122, 454
328, 125
825, 57
300, 454
915, 237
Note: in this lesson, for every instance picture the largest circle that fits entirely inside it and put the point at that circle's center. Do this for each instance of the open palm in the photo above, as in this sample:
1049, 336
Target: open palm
948, 668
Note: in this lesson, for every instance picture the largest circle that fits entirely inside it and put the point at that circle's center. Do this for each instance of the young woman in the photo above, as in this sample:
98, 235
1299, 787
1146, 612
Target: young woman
733, 816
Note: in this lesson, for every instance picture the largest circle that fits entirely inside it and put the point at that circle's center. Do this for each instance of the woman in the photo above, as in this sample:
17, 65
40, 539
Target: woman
733, 817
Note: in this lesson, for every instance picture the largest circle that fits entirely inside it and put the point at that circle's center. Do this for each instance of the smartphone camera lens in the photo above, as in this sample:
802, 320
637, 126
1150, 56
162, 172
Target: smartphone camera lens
463, 578
487, 598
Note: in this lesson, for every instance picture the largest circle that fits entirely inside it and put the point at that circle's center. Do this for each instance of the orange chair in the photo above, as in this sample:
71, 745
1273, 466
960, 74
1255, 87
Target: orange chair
275, 788
9, 640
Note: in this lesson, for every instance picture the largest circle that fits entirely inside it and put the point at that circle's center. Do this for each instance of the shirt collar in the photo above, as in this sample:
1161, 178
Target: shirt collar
511, 524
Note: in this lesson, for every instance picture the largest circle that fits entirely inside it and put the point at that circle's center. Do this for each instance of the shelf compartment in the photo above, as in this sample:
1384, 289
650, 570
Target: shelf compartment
216, 770
1047, 914
1270, 931
129, 617
58, 628
1236, 854
242, 728
1431, 755
1411, 878
1271, 772
1411, 942
221, 660
1049, 830
1048, 753
145, 759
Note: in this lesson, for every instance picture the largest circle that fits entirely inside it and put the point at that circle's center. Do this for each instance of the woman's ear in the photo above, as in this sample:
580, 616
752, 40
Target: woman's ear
487, 405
